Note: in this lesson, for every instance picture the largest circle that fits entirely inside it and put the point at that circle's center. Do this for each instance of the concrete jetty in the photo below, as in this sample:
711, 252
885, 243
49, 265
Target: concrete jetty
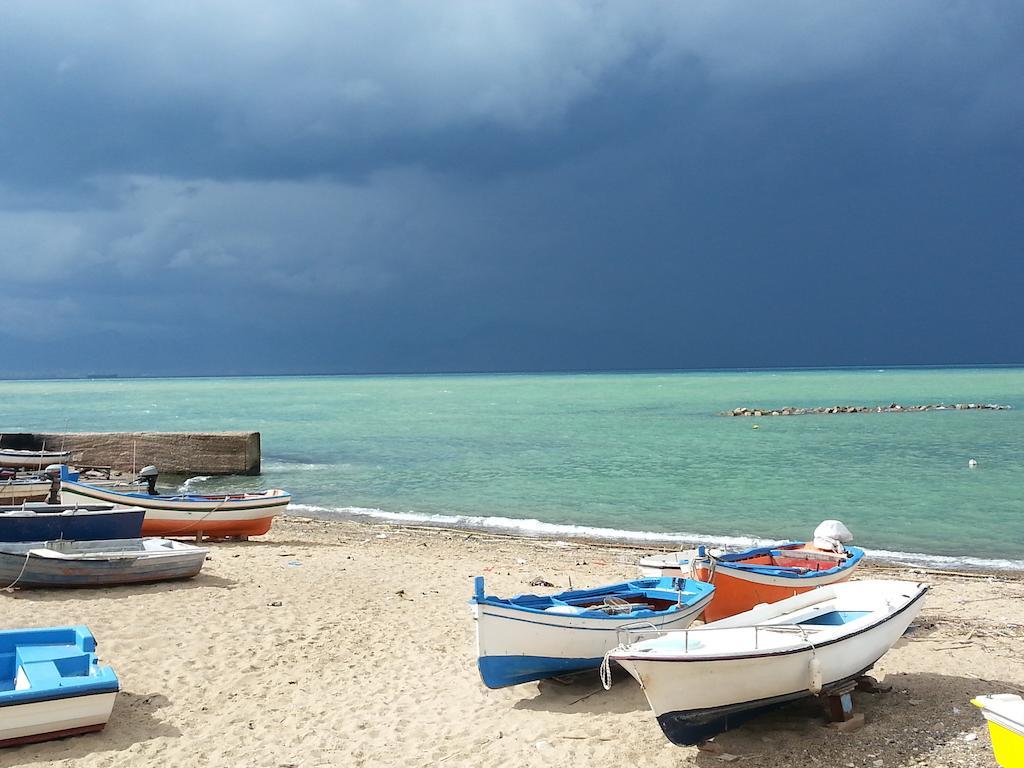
176, 453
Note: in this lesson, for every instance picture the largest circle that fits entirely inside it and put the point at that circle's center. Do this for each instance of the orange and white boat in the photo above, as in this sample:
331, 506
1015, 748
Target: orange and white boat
759, 575
233, 514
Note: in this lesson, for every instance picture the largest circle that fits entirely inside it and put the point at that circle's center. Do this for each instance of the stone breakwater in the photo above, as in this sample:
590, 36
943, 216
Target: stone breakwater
892, 408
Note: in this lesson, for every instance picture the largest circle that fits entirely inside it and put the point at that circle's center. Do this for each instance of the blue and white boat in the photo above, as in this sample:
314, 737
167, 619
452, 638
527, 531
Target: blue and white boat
89, 522
531, 637
52, 685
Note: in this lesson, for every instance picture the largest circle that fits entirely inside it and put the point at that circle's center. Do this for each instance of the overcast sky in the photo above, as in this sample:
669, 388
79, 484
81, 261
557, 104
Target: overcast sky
267, 187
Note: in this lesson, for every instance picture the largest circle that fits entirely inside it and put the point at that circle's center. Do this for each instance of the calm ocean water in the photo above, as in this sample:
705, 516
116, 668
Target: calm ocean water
633, 455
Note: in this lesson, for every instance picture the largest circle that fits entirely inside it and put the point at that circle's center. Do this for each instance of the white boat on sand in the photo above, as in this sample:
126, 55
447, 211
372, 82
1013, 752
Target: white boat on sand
703, 681
531, 637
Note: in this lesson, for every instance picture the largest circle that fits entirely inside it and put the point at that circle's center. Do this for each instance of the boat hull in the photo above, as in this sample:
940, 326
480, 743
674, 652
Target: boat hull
52, 684
46, 525
54, 718
22, 565
244, 515
1004, 714
737, 591
696, 695
17, 459
516, 646
20, 492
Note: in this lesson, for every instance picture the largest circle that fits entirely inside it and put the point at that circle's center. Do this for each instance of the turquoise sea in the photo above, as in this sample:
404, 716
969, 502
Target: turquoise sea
637, 456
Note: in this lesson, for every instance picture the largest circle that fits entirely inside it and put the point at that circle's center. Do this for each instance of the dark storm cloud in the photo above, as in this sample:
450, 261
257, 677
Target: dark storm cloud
409, 186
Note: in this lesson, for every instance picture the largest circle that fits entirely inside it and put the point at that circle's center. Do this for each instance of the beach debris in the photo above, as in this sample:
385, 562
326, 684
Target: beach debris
869, 684
726, 757
710, 747
382, 535
401, 593
539, 582
275, 604
856, 722
969, 737
520, 561
294, 563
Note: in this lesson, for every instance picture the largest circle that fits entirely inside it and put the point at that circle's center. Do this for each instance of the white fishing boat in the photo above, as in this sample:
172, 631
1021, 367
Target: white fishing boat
703, 681
17, 459
531, 637
187, 514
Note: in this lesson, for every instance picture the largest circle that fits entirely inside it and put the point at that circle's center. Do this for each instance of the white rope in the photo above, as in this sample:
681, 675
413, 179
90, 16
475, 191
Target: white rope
24, 565
606, 671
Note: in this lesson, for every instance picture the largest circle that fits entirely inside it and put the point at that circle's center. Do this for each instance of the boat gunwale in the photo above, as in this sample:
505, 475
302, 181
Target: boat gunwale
786, 651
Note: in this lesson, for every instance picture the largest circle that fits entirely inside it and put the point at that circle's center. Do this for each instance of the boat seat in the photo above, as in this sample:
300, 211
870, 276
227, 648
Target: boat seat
627, 608
41, 674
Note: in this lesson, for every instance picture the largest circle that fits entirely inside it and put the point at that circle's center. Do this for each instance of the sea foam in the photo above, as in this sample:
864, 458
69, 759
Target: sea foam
541, 529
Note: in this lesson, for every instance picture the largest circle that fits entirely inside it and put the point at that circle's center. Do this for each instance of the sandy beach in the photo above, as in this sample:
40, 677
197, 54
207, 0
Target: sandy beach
338, 643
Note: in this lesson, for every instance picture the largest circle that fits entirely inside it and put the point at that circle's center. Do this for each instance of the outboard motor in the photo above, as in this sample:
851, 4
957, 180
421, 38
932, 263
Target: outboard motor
831, 535
53, 473
149, 474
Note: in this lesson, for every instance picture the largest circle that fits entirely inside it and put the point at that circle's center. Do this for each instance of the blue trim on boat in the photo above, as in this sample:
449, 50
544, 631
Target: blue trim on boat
281, 500
58, 662
625, 618
503, 671
835, 618
731, 561
694, 593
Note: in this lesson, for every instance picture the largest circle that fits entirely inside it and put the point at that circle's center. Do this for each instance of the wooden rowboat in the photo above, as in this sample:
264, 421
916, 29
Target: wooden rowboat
97, 563
531, 637
237, 514
762, 574
700, 682
46, 522
31, 459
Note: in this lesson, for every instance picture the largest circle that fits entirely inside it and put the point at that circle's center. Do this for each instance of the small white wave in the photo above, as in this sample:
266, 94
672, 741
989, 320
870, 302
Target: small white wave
189, 484
948, 562
532, 527
283, 465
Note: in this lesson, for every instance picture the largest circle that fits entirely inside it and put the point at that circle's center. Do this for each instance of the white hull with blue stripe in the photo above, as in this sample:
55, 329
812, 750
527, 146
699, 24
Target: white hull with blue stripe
52, 685
532, 637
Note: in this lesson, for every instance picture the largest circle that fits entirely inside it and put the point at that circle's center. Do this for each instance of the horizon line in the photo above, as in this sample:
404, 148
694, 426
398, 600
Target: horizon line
880, 367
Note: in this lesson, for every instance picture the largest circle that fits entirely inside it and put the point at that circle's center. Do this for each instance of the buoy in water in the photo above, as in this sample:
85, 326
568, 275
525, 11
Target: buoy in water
756, 426
972, 463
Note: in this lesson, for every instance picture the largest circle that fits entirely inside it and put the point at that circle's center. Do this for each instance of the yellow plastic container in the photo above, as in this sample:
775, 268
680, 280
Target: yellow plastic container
1005, 715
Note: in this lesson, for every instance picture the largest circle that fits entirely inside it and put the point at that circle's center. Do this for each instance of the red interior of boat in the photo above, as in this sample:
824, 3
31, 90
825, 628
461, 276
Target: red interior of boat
807, 563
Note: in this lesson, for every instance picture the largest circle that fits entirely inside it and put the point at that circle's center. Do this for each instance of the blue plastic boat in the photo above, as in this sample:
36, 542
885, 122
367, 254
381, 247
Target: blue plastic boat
52, 685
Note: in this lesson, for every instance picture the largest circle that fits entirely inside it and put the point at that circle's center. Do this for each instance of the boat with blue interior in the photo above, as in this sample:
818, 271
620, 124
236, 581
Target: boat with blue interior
532, 637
